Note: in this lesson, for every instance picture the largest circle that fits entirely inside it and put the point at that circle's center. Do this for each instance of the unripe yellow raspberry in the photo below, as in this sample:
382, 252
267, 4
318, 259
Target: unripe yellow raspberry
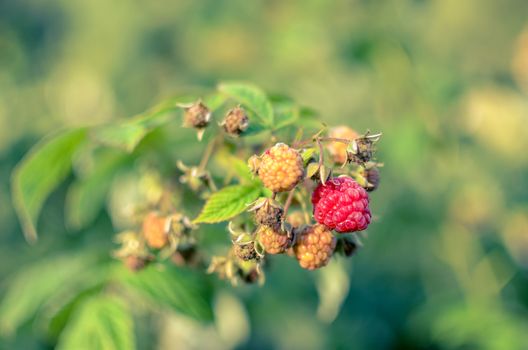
338, 150
315, 246
280, 168
274, 241
155, 230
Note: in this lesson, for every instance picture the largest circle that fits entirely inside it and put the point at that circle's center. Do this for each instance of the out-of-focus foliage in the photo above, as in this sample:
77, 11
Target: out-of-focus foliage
446, 261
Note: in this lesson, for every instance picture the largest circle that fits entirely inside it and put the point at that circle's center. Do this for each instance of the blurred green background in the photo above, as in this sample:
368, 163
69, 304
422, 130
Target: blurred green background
445, 264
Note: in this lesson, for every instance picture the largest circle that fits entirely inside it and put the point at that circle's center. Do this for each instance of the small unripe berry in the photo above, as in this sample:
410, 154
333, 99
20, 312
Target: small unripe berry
267, 212
155, 230
274, 241
338, 150
372, 175
235, 122
361, 150
315, 246
197, 115
245, 251
280, 168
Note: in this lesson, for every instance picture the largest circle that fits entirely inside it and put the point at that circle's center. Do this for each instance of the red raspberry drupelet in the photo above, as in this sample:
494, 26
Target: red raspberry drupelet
342, 204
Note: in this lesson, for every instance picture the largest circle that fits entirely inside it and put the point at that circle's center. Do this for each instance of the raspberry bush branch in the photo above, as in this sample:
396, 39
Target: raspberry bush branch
280, 194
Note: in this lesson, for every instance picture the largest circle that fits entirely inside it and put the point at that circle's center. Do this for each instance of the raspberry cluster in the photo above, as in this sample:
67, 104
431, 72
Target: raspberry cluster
280, 220
340, 204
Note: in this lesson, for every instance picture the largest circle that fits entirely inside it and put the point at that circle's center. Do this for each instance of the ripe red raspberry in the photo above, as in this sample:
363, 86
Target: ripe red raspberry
342, 204
155, 230
272, 240
280, 168
314, 247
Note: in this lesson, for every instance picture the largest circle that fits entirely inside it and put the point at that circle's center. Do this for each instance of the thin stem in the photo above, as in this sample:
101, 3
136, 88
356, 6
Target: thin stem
288, 202
301, 198
335, 139
211, 183
299, 144
208, 153
321, 153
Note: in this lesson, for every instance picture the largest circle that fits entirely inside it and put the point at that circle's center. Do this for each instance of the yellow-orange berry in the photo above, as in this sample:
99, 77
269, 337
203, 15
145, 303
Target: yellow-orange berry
272, 240
281, 168
155, 231
338, 150
315, 246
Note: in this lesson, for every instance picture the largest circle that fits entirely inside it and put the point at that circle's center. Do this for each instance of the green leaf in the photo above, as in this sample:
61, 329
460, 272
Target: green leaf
232, 165
127, 134
39, 173
57, 320
307, 154
228, 202
87, 196
286, 117
254, 129
183, 290
310, 118
251, 97
101, 322
42, 282
214, 101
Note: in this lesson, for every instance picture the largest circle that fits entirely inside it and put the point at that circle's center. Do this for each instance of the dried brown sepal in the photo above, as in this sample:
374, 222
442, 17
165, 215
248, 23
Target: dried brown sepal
196, 115
245, 251
362, 149
267, 212
347, 246
235, 122
197, 179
